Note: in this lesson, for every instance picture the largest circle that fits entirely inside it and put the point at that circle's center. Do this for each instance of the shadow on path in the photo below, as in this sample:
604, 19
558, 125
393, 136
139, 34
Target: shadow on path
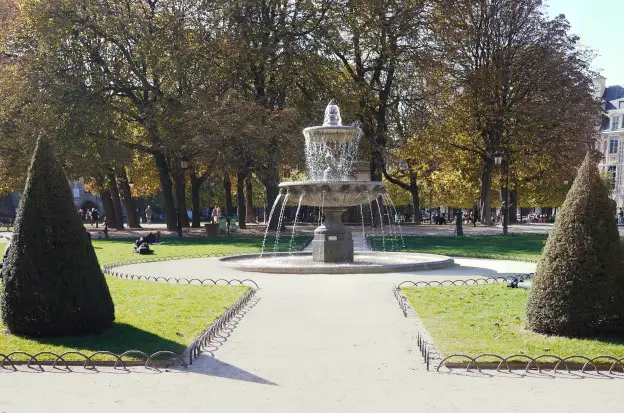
211, 366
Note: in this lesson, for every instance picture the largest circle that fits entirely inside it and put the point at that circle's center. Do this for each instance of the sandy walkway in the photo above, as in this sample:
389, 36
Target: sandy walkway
313, 343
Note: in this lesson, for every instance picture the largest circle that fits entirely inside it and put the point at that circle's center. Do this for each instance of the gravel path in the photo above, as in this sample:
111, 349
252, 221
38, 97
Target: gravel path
312, 343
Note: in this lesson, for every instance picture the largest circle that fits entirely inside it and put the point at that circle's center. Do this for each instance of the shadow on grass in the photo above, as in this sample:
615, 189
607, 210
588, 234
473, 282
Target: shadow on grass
117, 339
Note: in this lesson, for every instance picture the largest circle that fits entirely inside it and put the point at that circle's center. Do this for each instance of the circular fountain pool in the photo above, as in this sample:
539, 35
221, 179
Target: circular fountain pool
364, 262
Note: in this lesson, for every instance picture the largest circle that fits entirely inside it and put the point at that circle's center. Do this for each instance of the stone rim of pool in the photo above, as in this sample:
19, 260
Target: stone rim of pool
302, 263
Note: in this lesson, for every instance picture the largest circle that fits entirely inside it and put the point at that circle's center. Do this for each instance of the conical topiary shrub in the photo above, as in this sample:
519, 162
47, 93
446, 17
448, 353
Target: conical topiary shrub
53, 283
578, 288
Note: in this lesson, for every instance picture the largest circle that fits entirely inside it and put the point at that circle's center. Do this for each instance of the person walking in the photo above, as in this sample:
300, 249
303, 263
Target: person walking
475, 214
148, 214
216, 214
95, 215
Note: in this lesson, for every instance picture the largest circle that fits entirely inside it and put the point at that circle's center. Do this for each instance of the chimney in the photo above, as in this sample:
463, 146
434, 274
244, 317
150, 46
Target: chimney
600, 84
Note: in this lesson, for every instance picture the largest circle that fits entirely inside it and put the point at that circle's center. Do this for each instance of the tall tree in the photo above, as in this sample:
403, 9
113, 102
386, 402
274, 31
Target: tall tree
131, 53
371, 43
503, 56
272, 40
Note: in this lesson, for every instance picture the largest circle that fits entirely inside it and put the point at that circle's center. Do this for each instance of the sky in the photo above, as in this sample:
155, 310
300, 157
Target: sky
598, 23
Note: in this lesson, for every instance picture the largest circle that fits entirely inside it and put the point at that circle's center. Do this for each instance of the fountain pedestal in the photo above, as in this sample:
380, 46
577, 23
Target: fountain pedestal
332, 240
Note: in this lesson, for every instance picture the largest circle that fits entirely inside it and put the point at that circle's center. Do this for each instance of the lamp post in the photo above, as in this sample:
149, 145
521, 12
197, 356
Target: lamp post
184, 165
498, 160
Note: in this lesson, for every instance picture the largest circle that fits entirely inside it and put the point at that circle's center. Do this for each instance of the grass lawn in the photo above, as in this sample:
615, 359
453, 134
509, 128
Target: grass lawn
148, 317
121, 249
153, 316
519, 247
490, 319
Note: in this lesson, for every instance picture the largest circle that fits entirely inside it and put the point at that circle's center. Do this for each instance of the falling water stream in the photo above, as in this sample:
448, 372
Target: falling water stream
292, 237
391, 224
370, 205
266, 232
280, 221
364, 246
388, 199
381, 226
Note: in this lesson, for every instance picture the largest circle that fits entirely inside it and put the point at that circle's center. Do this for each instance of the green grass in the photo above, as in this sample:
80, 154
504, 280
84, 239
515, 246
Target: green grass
519, 247
153, 316
149, 317
121, 249
490, 319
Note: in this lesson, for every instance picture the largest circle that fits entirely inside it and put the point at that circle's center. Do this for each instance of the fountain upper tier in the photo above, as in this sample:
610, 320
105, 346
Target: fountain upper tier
331, 156
331, 150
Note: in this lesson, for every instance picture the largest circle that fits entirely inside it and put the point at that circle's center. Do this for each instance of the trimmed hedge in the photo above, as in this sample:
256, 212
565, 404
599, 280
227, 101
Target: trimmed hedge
578, 289
53, 283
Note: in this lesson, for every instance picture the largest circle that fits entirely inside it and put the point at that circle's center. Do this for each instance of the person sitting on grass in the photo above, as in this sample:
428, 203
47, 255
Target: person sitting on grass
144, 249
152, 238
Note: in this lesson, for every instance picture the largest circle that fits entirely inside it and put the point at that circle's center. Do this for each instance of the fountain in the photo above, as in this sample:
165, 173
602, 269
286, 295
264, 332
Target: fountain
336, 189
331, 156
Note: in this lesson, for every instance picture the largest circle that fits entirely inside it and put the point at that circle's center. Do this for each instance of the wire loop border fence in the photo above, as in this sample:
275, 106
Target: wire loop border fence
553, 362
109, 270
149, 361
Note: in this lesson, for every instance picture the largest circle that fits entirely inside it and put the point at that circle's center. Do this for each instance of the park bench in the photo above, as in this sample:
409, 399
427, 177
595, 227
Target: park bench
228, 225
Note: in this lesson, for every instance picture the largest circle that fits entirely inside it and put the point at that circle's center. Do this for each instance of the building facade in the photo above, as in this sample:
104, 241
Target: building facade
611, 136
82, 200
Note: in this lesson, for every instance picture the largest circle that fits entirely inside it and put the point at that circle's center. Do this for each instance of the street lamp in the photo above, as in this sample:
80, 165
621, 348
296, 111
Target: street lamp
184, 165
498, 160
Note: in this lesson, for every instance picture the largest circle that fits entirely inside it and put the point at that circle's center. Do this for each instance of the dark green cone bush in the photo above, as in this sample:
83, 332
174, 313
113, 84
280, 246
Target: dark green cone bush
53, 283
578, 288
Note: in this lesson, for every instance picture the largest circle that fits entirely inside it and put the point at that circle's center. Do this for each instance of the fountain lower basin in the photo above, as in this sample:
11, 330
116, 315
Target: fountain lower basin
363, 263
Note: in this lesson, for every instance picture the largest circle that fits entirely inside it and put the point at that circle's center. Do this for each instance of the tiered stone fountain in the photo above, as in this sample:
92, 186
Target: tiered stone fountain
331, 157
337, 189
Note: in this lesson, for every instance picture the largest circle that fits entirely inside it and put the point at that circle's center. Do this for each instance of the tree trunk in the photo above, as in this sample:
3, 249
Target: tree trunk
240, 199
249, 196
196, 183
227, 186
167, 191
114, 191
513, 206
126, 198
107, 204
180, 192
486, 178
413, 189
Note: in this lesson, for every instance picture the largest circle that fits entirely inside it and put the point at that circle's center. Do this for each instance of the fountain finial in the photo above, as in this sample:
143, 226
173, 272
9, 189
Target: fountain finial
332, 115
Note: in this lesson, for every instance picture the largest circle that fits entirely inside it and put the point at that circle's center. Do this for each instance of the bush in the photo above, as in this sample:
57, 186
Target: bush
53, 283
578, 288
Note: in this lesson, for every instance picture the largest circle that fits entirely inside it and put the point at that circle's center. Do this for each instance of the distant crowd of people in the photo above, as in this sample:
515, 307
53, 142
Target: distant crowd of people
90, 215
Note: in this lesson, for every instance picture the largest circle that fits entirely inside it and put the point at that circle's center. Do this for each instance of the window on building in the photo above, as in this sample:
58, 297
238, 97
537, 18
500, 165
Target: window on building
612, 169
621, 104
615, 122
613, 145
